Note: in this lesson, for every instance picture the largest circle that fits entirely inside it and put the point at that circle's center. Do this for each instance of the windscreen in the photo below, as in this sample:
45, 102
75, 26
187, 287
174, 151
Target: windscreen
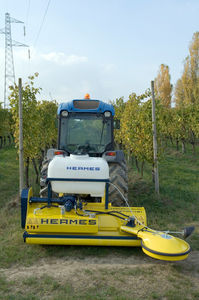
85, 133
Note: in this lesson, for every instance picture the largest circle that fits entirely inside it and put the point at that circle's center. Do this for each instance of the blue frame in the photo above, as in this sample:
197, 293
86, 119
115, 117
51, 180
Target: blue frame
49, 200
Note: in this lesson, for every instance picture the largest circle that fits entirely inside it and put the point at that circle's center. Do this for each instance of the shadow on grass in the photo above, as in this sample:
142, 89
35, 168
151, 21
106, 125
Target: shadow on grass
90, 251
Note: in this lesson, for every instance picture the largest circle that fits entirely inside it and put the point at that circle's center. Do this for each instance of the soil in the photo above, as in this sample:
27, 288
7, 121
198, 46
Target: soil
62, 268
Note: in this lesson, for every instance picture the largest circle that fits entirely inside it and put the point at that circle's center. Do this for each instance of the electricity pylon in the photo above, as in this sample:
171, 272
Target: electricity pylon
9, 78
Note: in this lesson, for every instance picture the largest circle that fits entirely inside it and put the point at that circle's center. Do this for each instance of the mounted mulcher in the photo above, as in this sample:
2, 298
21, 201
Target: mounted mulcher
83, 197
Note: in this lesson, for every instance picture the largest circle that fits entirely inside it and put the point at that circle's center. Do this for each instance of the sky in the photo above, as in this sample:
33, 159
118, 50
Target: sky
107, 48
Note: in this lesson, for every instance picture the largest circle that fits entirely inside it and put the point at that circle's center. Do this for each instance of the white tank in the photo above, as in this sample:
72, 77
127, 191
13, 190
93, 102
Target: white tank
78, 167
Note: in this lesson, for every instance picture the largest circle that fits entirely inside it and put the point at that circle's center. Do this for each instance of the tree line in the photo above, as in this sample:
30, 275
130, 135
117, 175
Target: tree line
176, 125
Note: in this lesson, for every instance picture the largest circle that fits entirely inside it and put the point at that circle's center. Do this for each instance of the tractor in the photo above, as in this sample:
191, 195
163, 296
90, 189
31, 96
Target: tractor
85, 127
84, 188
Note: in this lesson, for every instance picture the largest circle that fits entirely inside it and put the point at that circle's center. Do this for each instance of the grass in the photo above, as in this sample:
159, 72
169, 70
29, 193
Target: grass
103, 272
9, 175
104, 283
9, 183
179, 191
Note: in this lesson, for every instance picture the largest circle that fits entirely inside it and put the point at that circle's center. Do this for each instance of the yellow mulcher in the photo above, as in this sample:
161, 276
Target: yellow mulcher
83, 197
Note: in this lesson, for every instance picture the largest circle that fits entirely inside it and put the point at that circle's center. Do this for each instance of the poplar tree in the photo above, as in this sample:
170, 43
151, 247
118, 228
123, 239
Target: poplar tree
163, 86
194, 68
187, 88
179, 93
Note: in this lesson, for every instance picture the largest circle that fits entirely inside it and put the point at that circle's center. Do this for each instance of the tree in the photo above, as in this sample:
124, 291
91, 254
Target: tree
5, 126
39, 123
179, 93
187, 88
193, 124
119, 106
163, 87
136, 128
31, 120
47, 110
194, 68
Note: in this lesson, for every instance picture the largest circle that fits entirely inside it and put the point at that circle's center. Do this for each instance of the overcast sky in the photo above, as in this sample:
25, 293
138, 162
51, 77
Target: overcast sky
108, 48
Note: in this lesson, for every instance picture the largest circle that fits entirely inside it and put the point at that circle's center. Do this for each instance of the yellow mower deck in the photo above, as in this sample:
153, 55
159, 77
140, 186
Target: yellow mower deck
100, 226
50, 226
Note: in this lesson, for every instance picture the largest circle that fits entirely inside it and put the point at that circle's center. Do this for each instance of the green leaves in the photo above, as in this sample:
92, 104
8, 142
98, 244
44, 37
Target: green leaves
5, 122
39, 129
135, 133
47, 124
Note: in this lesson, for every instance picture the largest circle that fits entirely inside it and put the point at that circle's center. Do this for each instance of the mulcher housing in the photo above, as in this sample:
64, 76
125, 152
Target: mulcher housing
96, 224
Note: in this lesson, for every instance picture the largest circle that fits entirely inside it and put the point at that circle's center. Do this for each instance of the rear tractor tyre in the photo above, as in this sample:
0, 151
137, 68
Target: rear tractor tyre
43, 186
118, 176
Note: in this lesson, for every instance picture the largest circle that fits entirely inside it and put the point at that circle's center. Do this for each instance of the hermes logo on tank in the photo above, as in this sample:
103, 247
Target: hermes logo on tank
83, 168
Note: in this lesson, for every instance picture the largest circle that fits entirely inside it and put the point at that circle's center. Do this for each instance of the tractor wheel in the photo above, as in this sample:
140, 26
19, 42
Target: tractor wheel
43, 186
118, 176
44, 171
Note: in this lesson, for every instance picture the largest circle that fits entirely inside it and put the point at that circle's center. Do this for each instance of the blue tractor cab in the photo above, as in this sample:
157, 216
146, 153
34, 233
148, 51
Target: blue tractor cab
86, 127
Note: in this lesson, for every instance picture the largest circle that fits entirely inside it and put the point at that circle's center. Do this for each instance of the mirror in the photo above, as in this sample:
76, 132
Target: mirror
116, 124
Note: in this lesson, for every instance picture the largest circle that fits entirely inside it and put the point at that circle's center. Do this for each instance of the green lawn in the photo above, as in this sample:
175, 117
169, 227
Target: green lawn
9, 179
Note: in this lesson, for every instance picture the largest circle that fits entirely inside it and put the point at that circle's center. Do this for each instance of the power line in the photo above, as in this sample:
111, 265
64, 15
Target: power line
27, 19
9, 60
26, 26
42, 23
27, 13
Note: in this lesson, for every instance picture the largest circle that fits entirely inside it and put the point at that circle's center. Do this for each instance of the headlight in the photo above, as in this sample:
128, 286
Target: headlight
64, 113
107, 114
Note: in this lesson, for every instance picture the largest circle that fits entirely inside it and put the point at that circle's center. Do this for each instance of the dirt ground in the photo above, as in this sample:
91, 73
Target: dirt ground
63, 268
114, 277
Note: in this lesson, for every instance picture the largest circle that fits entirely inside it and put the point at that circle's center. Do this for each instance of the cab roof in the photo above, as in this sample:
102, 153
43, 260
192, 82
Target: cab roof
85, 105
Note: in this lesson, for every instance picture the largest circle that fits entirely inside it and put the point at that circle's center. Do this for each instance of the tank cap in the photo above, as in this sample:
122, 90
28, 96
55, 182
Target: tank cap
75, 156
